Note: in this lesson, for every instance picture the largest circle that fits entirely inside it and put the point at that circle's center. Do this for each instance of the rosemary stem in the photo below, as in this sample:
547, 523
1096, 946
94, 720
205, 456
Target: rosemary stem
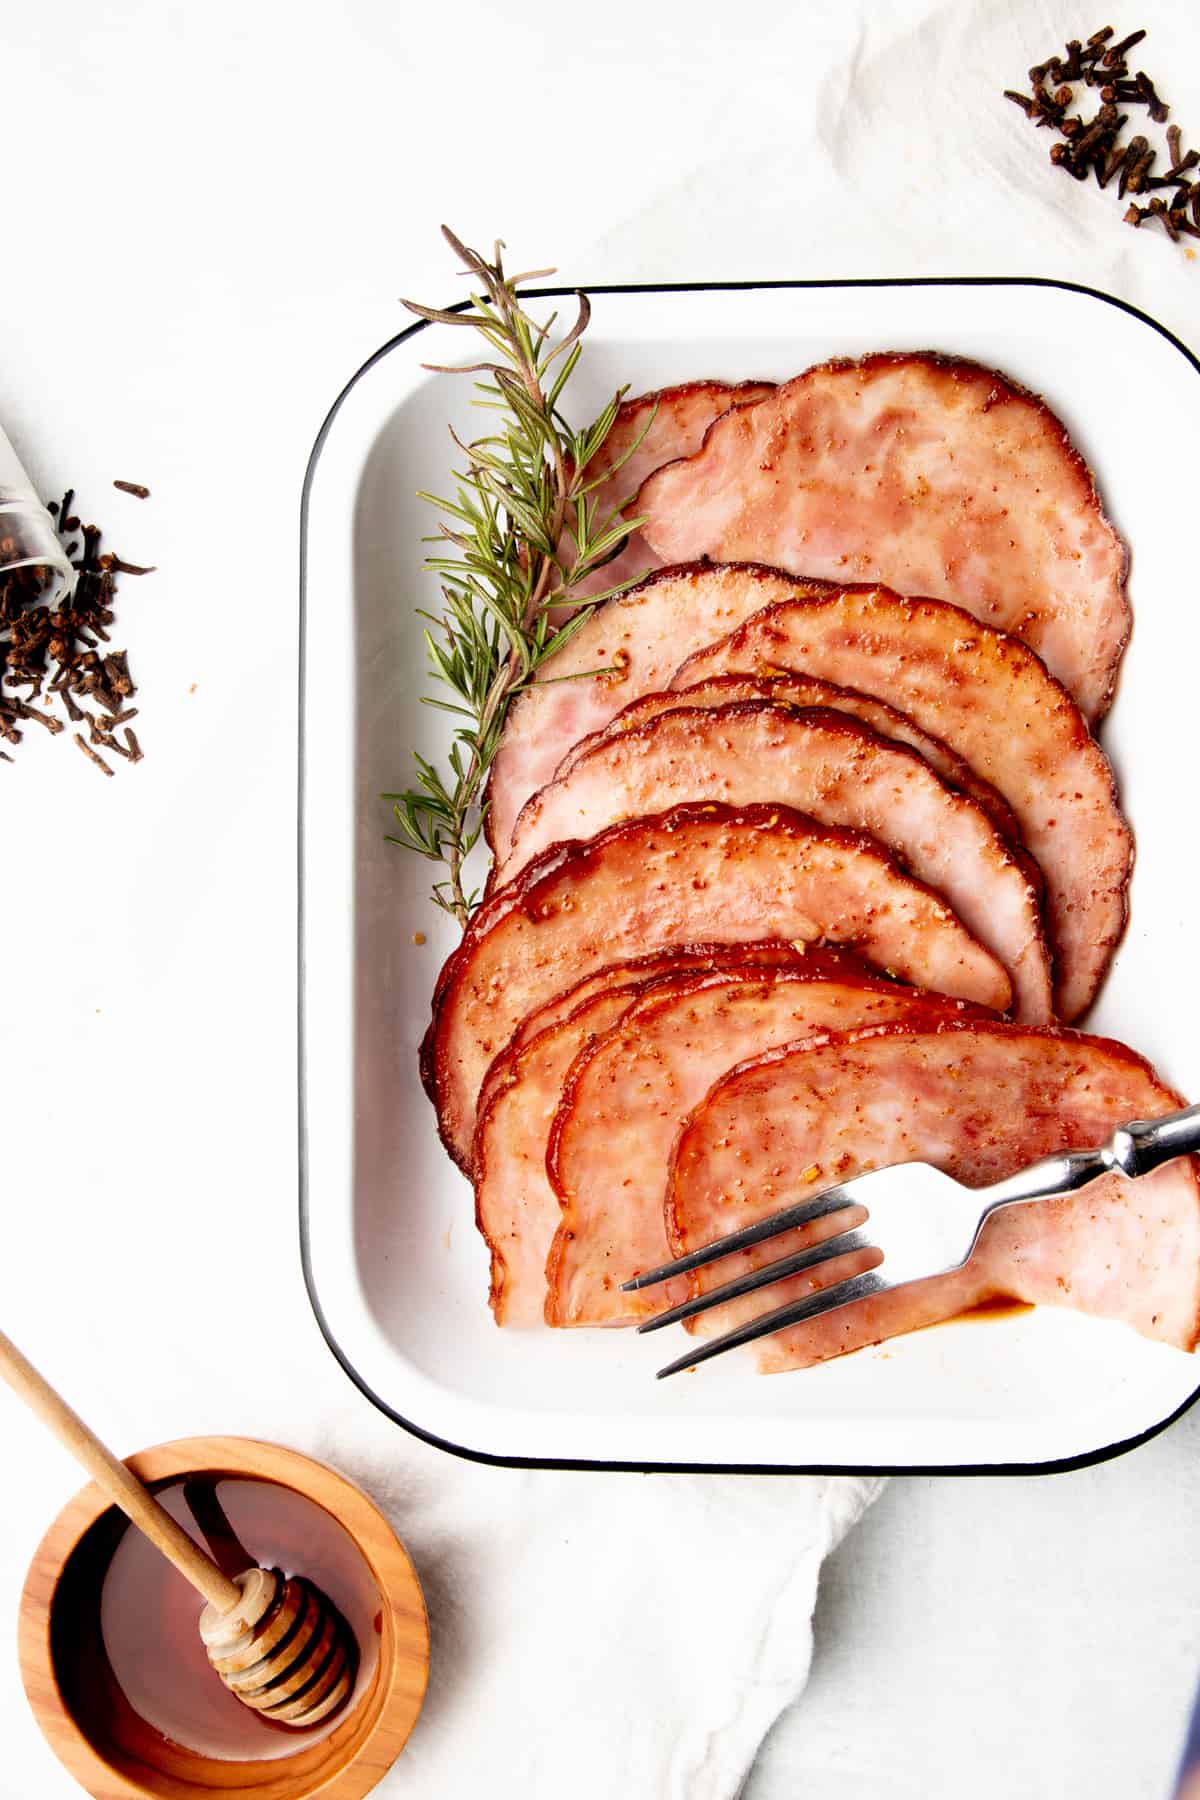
504, 557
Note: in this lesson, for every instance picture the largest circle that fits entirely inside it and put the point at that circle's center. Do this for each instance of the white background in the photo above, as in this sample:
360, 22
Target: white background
221, 204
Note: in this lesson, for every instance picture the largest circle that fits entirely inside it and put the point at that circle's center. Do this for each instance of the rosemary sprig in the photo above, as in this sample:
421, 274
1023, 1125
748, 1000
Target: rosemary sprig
515, 542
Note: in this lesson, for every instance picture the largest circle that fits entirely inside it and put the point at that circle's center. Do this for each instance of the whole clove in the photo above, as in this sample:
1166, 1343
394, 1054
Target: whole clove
91, 754
109, 561
1121, 50
1182, 166
1072, 68
136, 488
1157, 109
1112, 162
1134, 151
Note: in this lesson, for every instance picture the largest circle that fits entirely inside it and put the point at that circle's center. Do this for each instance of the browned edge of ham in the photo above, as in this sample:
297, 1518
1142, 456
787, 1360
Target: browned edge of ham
637, 971
508, 1221
996, 704
638, 639
835, 769
630, 1090
675, 879
648, 431
659, 427
767, 484
808, 691
516, 1209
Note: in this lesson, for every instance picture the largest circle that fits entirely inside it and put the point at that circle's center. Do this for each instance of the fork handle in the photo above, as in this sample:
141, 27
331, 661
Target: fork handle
1148, 1143
1134, 1149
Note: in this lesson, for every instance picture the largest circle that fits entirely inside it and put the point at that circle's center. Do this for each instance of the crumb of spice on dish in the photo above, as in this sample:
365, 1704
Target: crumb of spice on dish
1096, 145
58, 655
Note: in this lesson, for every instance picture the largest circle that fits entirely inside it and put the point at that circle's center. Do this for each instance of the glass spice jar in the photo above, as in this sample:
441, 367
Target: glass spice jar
28, 538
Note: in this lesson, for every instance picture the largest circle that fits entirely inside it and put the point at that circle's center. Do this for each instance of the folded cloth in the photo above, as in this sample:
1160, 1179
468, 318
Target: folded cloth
604, 1635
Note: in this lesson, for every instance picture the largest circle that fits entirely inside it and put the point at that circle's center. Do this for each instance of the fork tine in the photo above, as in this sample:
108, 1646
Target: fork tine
842, 1245
842, 1293
832, 1199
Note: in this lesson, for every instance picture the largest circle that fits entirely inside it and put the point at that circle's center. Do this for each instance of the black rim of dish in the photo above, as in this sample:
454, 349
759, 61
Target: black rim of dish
1060, 1466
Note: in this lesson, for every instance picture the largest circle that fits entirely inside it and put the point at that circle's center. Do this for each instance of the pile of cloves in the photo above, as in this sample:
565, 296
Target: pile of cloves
58, 653
1095, 145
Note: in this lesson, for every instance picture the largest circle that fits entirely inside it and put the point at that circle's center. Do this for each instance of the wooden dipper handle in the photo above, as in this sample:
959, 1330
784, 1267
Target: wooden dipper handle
122, 1488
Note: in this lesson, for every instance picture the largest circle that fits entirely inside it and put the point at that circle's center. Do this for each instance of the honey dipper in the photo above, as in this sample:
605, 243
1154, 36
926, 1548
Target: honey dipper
277, 1642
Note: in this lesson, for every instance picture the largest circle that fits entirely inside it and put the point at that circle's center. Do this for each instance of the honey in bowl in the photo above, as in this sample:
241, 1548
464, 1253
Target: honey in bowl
148, 1613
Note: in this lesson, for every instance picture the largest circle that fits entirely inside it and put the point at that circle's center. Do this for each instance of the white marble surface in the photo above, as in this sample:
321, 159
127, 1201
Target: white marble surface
233, 199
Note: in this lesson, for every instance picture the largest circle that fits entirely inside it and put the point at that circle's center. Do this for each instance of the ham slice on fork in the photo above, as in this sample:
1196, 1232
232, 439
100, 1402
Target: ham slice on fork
980, 1100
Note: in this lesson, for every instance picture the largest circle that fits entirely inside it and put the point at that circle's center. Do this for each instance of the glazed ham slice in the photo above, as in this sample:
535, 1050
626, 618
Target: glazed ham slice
824, 764
515, 1206
809, 690
979, 1100
648, 431
713, 873
936, 476
516, 1209
993, 702
636, 972
630, 1091
641, 637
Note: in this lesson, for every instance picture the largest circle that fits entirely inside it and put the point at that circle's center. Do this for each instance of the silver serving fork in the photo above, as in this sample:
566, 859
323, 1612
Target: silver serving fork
924, 1223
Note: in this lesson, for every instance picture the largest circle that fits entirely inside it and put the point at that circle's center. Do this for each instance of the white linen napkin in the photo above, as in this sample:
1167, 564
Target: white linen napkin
605, 1635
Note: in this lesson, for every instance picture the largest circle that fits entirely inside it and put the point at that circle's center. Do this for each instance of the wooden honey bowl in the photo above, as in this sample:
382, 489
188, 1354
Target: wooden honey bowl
88, 1720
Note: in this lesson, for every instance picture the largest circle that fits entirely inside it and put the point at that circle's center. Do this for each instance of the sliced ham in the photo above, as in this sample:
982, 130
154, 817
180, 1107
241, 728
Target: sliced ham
516, 1209
936, 476
808, 690
827, 765
637, 972
515, 1206
980, 1101
706, 873
629, 1092
993, 702
648, 431
640, 638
